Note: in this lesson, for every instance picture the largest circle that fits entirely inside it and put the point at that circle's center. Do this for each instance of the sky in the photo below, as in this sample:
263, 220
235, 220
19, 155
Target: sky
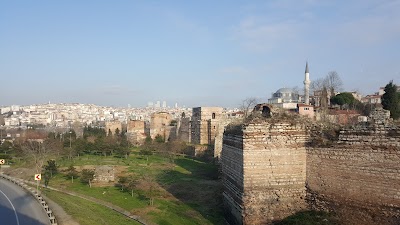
194, 53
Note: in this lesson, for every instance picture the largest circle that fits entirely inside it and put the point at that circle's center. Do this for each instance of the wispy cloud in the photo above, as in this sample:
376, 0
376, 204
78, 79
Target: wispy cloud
258, 35
301, 23
379, 25
234, 70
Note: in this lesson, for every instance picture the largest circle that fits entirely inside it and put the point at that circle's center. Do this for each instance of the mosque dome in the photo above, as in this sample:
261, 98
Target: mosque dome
285, 95
285, 90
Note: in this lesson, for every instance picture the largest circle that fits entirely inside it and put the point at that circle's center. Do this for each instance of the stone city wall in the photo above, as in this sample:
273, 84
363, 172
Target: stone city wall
135, 126
359, 183
183, 129
359, 177
232, 177
219, 134
111, 126
270, 171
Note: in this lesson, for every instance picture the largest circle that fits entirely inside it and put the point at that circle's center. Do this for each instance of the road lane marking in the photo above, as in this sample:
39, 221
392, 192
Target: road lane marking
15, 211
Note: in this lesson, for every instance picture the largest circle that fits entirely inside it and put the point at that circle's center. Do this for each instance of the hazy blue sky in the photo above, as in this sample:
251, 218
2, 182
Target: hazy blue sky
196, 53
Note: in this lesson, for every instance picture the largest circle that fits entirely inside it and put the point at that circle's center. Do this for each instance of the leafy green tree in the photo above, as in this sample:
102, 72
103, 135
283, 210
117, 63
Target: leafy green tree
148, 140
93, 131
46, 178
100, 146
87, 176
391, 100
51, 167
122, 180
159, 139
146, 149
72, 173
6, 147
117, 132
124, 142
80, 146
344, 98
121, 151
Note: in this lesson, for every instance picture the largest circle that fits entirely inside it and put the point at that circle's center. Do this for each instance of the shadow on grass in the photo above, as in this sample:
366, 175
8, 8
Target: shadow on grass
309, 218
200, 188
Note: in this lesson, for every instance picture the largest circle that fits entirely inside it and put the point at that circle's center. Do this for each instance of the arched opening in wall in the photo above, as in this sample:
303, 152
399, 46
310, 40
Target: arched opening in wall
183, 115
266, 112
213, 116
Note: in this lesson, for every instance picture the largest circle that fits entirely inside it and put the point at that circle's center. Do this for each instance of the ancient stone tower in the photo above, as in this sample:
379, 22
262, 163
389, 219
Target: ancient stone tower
204, 124
160, 125
264, 170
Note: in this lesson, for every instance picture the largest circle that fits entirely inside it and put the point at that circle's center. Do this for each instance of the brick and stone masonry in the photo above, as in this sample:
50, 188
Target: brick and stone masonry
359, 176
270, 172
204, 124
264, 172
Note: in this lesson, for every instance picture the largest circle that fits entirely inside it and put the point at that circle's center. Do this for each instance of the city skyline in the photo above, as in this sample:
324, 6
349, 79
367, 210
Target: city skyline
194, 53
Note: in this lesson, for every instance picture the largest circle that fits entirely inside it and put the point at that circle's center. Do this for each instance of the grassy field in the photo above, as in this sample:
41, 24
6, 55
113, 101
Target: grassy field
186, 191
86, 212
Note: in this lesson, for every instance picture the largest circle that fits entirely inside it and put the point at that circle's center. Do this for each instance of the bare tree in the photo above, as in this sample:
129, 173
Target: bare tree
325, 88
333, 82
40, 151
319, 90
247, 106
297, 90
149, 184
317, 85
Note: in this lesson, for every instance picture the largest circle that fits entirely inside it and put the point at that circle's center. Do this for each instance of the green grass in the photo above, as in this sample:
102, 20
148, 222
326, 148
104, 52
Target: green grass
188, 191
174, 212
88, 213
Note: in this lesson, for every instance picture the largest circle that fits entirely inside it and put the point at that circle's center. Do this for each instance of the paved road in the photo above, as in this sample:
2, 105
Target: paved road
17, 207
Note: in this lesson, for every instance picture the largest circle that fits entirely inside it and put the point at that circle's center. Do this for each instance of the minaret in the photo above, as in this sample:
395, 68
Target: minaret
307, 86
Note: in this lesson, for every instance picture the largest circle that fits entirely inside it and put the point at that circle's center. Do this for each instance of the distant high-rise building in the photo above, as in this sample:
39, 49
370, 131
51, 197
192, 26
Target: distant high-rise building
158, 104
150, 104
164, 104
176, 105
15, 108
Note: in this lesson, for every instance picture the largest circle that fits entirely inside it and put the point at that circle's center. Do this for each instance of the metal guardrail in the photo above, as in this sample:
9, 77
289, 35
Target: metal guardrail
34, 193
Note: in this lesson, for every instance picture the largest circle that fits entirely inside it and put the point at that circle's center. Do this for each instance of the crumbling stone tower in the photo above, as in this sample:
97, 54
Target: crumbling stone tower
204, 124
264, 169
